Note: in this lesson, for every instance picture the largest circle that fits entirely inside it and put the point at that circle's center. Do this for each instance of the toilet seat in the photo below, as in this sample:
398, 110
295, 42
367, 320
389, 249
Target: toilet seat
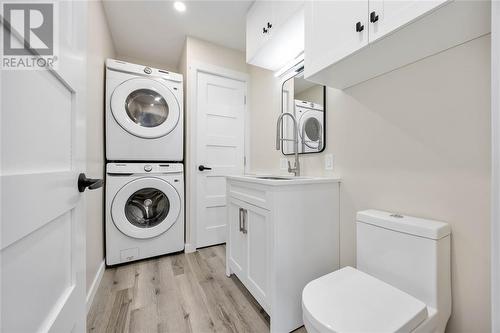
349, 300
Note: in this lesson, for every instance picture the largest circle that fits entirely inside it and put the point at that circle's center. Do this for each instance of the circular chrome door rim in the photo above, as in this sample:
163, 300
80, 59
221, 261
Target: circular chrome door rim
118, 207
119, 112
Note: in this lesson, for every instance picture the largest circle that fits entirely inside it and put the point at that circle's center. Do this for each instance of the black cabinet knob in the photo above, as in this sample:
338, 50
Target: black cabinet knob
203, 168
269, 25
359, 27
264, 30
92, 184
373, 17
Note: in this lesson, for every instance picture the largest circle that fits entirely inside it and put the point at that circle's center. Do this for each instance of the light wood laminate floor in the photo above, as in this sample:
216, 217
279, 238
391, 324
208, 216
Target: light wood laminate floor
176, 293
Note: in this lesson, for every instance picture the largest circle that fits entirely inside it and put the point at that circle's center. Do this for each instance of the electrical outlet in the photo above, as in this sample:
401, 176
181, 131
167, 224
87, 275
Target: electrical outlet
328, 162
283, 164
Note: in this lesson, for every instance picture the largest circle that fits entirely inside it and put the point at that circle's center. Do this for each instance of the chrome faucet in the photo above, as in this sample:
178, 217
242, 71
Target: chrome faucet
280, 139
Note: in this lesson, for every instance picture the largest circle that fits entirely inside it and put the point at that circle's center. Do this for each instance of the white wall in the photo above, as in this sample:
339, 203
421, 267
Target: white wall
414, 141
200, 51
99, 47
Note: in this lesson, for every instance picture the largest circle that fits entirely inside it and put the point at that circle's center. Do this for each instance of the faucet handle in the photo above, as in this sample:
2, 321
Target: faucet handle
289, 166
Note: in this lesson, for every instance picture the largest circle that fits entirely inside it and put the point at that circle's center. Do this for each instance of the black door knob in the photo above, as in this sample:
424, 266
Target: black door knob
92, 184
359, 27
373, 17
203, 168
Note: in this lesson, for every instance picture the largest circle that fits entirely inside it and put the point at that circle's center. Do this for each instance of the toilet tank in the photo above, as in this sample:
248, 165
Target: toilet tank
409, 253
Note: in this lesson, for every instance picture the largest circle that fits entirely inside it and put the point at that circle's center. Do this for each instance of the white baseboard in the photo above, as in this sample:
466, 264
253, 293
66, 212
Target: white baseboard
95, 285
189, 248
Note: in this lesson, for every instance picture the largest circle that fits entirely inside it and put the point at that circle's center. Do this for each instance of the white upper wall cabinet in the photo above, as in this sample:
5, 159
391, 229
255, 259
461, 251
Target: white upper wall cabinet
275, 33
335, 29
387, 16
259, 26
348, 42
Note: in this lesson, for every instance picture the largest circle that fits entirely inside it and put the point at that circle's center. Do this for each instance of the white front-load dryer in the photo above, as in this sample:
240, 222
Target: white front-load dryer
310, 117
144, 210
144, 113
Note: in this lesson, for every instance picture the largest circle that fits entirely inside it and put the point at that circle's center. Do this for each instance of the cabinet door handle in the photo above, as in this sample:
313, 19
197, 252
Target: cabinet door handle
359, 27
264, 30
269, 25
245, 214
241, 216
373, 17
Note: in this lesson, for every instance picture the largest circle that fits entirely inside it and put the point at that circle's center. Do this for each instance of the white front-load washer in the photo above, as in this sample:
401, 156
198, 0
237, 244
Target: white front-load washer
310, 117
144, 113
144, 210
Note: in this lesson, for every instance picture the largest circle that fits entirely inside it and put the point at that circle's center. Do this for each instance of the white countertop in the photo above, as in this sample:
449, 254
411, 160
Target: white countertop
289, 180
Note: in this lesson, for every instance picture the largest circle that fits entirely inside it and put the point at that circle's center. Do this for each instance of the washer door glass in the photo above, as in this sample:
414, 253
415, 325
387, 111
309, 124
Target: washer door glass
146, 108
147, 207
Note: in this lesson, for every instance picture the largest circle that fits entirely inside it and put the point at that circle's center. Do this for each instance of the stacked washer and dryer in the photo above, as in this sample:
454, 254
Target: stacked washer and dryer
144, 170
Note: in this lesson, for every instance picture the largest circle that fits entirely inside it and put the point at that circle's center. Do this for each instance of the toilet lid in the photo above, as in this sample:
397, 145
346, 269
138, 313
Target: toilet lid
349, 300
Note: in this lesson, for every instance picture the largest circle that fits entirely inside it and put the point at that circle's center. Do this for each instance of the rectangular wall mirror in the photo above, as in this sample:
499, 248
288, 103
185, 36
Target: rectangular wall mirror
307, 102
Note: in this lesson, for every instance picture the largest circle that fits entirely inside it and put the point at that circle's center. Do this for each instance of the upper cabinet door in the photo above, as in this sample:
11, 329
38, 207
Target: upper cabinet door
385, 16
283, 10
259, 27
333, 30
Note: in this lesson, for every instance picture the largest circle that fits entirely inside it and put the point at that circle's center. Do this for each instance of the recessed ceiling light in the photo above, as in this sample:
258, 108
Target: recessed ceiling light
180, 6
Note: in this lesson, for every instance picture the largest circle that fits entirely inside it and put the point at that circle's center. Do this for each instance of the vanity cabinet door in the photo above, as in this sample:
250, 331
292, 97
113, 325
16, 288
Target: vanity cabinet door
333, 30
258, 230
237, 240
386, 16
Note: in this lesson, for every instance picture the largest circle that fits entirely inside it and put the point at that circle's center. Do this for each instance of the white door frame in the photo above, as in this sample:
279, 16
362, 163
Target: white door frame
191, 135
495, 166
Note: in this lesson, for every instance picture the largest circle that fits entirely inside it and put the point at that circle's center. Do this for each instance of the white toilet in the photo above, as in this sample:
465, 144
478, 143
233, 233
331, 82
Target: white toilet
401, 284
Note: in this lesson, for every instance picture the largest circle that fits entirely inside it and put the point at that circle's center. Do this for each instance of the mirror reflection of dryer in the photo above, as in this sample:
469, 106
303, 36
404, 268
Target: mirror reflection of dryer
144, 113
306, 100
310, 117
144, 210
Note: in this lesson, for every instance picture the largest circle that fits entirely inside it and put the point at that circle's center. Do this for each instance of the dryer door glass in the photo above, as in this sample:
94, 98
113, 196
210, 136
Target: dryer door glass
146, 108
312, 129
147, 208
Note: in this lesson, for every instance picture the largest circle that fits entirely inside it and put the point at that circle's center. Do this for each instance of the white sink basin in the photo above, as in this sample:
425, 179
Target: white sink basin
282, 180
279, 177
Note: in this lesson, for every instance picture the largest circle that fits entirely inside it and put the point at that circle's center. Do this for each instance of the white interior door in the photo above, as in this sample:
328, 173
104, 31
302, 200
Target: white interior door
43, 214
220, 103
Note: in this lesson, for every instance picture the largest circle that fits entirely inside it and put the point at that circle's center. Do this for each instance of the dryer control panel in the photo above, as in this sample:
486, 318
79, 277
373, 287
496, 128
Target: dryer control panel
144, 168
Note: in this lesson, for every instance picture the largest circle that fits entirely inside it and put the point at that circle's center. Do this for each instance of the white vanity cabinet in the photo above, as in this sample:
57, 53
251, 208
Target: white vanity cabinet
274, 33
348, 42
248, 248
281, 235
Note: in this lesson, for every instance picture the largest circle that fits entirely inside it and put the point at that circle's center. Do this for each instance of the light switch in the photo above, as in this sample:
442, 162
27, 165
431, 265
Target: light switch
328, 162
283, 164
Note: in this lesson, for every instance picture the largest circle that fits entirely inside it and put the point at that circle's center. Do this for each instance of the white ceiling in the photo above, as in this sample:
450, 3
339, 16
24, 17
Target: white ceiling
154, 32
